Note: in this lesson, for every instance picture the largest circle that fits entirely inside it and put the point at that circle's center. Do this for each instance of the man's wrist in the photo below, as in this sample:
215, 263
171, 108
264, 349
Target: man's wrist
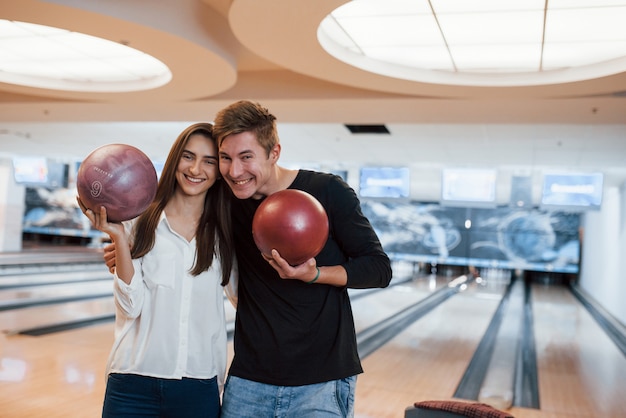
317, 276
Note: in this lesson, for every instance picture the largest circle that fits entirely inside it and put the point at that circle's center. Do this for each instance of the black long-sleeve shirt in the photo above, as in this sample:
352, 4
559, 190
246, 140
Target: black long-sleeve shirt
290, 333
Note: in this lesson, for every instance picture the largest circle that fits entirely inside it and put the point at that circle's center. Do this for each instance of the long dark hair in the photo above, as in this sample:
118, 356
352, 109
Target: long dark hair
213, 236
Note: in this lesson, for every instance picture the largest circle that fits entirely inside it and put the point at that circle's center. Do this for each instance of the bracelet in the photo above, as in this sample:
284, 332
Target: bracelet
317, 276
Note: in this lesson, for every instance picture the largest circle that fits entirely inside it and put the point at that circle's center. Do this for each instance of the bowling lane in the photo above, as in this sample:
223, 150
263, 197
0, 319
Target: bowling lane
40, 279
51, 292
429, 358
15, 320
375, 305
581, 371
57, 375
51, 256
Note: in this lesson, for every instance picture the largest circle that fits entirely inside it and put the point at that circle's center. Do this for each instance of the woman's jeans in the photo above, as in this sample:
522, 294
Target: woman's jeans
130, 395
245, 398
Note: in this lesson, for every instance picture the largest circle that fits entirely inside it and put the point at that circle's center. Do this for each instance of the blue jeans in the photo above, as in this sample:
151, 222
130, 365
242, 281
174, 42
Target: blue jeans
247, 399
131, 395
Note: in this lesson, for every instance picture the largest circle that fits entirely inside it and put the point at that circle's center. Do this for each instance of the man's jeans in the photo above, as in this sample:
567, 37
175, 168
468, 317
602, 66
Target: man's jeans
247, 399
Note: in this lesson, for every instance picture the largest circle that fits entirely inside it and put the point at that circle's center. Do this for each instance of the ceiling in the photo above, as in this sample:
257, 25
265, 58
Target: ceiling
220, 51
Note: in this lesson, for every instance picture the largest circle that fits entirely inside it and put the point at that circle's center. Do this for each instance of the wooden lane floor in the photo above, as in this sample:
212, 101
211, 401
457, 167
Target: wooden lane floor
16, 320
39, 305
582, 373
56, 375
78, 273
50, 292
72, 358
428, 359
375, 305
48, 258
61, 374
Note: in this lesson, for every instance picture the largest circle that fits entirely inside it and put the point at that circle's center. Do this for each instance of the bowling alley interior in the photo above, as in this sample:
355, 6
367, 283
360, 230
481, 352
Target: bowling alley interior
485, 140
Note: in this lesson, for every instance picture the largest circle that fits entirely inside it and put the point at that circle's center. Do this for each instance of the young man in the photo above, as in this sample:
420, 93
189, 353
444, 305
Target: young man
295, 344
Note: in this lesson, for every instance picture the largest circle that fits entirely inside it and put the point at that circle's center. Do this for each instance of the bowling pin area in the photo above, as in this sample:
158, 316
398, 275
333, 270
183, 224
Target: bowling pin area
534, 346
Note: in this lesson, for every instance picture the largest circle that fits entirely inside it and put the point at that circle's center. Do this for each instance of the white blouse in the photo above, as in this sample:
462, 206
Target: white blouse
170, 324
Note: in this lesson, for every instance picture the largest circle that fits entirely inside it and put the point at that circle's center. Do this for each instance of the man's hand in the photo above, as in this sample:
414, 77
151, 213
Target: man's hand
305, 272
109, 256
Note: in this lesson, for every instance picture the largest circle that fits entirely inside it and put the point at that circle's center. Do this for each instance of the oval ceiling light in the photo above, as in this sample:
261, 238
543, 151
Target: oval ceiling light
480, 42
52, 58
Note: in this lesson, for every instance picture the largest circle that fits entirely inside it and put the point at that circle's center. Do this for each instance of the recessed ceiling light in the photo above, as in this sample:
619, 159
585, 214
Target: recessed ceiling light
52, 58
480, 42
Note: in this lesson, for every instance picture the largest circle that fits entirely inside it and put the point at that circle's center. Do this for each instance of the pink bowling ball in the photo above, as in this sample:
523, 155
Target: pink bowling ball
119, 177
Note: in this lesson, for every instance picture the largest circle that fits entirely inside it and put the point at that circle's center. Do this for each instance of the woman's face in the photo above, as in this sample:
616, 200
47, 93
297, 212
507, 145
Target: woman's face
197, 169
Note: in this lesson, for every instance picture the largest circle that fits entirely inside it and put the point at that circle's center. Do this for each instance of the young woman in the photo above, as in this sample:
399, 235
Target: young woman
169, 355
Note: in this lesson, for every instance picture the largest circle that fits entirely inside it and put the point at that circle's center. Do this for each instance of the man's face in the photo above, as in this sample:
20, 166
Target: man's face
245, 166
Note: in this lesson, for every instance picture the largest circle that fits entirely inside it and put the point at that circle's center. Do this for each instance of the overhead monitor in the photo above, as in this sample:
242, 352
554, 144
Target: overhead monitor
30, 171
468, 186
572, 191
384, 182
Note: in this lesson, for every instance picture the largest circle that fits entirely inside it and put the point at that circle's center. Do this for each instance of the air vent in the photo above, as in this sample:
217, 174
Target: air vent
368, 129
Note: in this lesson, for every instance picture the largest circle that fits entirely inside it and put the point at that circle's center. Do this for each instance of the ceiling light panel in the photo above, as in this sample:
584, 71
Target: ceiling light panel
578, 4
577, 54
481, 28
425, 57
476, 6
44, 57
392, 30
497, 58
600, 24
480, 42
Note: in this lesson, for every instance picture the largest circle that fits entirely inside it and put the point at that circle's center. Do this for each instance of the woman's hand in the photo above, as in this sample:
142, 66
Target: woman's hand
100, 221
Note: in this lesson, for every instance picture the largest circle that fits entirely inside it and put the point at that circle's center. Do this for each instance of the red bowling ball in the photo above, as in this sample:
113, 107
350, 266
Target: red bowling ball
119, 177
293, 222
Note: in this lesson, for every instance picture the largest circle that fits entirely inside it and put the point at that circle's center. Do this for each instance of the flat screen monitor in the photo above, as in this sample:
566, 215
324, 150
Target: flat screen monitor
384, 182
572, 191
468, 186
30, 171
